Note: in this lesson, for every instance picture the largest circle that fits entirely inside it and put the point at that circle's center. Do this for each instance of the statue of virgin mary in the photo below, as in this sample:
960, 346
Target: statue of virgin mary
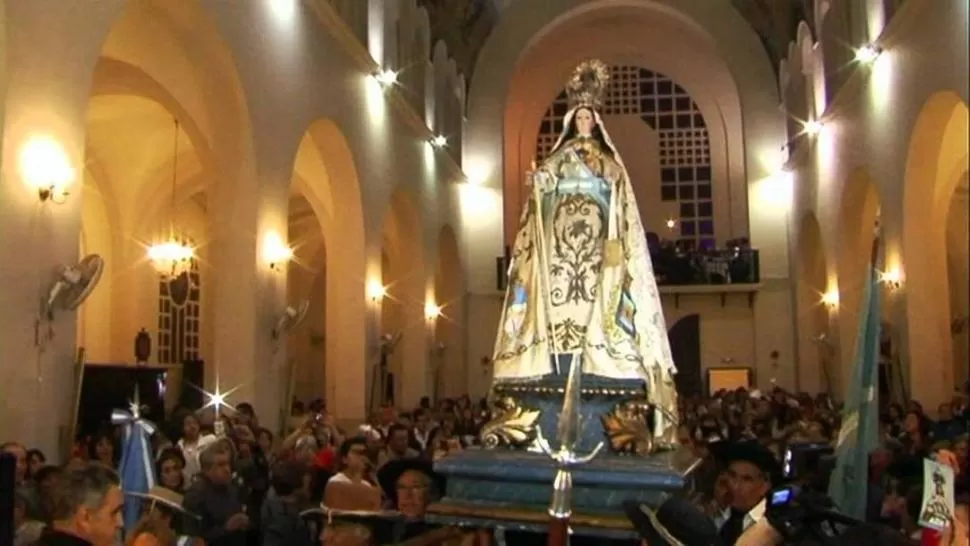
581, 285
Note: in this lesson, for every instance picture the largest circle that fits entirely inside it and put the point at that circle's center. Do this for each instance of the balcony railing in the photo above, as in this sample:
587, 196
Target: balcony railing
710, 267
673, 267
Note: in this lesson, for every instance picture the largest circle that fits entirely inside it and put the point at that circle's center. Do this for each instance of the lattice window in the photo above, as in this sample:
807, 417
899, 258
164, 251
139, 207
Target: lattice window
179, 316
684, 146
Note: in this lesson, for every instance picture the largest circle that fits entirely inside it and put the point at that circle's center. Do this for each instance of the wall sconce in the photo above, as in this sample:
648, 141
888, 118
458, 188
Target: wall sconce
438, 141
45, 166
385, 77
830, 299
431, 311
375, 291
868, 53
892, 278
276, 252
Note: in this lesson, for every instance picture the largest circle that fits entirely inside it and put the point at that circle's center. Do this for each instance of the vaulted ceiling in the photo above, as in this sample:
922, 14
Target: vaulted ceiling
465, 24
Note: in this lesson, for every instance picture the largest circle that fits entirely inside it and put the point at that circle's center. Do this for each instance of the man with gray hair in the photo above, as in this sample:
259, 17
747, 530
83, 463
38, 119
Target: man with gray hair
217, 500
85, 508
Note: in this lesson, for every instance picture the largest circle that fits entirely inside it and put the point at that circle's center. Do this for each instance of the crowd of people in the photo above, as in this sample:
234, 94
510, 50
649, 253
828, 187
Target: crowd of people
227, 481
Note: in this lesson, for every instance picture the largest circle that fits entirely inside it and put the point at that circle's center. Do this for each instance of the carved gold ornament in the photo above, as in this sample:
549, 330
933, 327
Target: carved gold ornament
628, 428
587, 86
511, 425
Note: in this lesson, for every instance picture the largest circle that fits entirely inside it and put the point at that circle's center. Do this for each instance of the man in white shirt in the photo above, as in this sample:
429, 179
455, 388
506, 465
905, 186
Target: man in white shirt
355, 466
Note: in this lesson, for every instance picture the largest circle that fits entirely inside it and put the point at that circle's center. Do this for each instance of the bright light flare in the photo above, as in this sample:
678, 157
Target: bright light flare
477, 172
45, 165
275, 251
385, 77
892, 277
868, 53
171, 258
283, 10
218, 400
432, 311
375, 290
439, 141
831, 298
813, 127
671, 223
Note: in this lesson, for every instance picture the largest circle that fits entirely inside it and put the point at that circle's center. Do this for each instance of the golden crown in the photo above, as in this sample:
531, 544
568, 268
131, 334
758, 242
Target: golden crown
587, 86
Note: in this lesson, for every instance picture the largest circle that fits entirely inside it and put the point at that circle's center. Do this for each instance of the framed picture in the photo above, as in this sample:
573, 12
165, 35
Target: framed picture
729, 379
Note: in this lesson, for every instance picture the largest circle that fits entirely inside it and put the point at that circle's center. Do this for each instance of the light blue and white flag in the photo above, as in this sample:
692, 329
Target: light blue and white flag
137, 468
859, 435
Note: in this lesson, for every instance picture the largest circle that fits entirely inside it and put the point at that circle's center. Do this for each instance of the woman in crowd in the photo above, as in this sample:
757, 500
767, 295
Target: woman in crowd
192, 444
170, 468
101, 448
35, 460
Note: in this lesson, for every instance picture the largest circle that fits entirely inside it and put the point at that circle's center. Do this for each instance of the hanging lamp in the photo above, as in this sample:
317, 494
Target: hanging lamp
174, 256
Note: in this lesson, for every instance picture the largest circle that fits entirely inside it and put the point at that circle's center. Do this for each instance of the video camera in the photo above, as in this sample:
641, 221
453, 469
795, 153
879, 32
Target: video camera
803, 516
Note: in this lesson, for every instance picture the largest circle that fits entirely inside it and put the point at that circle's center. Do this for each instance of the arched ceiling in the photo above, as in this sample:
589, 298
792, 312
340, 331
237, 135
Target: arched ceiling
131, 139
464, 25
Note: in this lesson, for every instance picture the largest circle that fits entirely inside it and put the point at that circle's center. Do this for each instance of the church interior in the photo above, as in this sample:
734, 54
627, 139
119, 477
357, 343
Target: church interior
278, 200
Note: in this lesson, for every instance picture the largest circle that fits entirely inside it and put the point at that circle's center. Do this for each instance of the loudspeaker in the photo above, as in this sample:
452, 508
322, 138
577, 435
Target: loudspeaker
193, 381
8, 467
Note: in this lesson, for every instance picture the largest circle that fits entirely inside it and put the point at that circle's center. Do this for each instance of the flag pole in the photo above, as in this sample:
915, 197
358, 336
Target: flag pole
859, 434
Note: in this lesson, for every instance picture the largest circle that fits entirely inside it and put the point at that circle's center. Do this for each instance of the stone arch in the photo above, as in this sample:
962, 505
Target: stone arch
673, 177
449, 346
128, 154
936, 164
325, 177
858, 215
142, 69
718, 30
816, 340
685, 345
542, 71
403, 308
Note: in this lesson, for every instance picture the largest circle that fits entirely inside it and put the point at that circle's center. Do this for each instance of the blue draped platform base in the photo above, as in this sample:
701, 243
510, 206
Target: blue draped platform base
509, 484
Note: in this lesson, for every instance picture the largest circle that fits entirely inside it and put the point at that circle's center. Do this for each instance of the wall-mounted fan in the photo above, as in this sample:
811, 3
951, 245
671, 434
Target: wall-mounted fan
389, 342
74, 284
290, 318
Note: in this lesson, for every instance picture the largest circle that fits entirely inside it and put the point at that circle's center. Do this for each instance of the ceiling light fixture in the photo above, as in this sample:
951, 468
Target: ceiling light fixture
173, 257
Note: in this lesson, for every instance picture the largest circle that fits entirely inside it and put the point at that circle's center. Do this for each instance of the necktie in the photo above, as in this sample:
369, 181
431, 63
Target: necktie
732, 528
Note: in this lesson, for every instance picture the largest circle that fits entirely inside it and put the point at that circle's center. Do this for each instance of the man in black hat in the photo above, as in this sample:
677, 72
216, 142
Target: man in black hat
752, 471
410, 484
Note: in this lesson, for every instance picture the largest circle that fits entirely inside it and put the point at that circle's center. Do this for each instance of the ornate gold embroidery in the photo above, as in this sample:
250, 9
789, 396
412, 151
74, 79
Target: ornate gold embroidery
628, 429
512, 425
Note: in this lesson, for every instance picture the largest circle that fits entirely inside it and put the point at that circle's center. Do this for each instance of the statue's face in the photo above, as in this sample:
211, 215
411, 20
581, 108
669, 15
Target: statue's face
584, 122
